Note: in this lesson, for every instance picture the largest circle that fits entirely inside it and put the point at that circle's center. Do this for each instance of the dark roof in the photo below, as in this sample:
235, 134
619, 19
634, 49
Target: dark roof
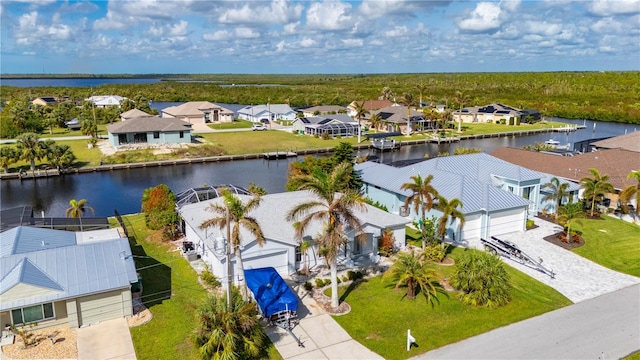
18, 216
149, 123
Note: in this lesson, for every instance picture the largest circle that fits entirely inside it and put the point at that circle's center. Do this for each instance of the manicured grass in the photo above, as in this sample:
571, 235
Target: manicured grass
236, 124
612, 243
482, 128
172, 293
379, 317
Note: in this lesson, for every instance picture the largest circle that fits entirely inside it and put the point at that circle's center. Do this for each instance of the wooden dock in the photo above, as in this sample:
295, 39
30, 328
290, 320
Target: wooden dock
278, 155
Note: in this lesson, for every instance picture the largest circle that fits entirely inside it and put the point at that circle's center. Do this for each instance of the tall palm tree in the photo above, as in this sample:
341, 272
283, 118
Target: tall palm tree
408, 101
30, 149
461, 98
631, 191
60, 156
226, 333
595, 187
334, 204
305, 246
568, 213
413, 272
8, 156
375, 121
421, 88
77, 208
361, 112
449, 209
233, 213
386, 93
422, 195
558, 192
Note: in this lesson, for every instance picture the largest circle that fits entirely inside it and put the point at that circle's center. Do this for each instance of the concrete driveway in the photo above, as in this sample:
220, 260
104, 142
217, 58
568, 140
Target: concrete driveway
106, 340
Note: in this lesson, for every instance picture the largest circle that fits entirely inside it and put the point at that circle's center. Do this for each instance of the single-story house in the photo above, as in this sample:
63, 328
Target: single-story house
395, 118
369, 105
56, 277
323, 110
106, 100
497, 196
45, 101
149, 130
630, 142
271, 112
199, 112
493, 113
334, 125
281, 249
133, 113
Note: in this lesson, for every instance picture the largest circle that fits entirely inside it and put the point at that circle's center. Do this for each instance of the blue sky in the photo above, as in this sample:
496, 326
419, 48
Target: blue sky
292, 37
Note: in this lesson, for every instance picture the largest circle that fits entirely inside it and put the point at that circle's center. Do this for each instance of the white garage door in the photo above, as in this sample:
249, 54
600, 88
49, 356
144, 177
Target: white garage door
472, 229
507, 221
277, 260
100, 307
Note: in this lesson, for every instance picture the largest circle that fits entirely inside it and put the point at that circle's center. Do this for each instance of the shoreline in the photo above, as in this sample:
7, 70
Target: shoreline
267, 156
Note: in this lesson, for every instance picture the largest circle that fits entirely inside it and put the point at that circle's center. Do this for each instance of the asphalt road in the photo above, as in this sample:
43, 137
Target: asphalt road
606, 328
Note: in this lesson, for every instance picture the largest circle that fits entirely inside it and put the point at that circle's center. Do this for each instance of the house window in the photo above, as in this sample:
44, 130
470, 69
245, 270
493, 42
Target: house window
298, 254
32, 314
156, 134
510, 188
207, 117
181, 134
526, 193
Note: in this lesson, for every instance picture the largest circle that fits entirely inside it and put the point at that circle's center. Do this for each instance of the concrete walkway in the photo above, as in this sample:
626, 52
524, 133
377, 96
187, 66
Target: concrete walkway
321, 336
106, 340
576, 278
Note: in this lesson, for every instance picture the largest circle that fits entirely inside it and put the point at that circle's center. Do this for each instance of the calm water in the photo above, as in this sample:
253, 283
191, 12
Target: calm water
122, 189
90, 82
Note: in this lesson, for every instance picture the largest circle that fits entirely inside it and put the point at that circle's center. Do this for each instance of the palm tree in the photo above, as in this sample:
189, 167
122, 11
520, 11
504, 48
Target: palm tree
631, 191
449, 209
558, 192
408, 101
360, 113
235, 214
386, 93
60, 156
334, 204
595, 187
30, 149
569, 212
412, 271
224, 333
375, 121
77, 208
422, 195
482, 278
421, 88
8, 156
461, 99
305, 246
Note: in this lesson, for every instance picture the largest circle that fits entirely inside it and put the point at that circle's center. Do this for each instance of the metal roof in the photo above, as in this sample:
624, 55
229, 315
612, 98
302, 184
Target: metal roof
26, 239
67, 271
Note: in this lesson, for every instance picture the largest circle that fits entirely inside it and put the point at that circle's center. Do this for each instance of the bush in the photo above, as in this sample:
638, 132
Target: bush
308, 286
386, 243
517, 121
325, 136
434, 253
483, 280
530, 223
323, 282
210, 279
511, 121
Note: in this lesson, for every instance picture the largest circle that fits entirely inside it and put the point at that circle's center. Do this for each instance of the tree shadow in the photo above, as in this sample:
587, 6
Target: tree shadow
354, 285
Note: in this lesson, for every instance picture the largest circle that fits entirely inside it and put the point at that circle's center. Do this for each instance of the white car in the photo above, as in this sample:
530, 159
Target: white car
258, 127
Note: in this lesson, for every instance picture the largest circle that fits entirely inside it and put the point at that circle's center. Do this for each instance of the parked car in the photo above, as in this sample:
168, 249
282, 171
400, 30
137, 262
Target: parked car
258, 127
264, 121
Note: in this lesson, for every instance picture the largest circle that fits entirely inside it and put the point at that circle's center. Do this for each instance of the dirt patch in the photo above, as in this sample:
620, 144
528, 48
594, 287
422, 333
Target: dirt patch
63, 345
555, 239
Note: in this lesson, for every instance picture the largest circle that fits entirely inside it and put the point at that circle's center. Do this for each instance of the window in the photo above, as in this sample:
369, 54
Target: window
156, 134
526, 193
298, 254
207, 117
32, 314
181, 134
510, 188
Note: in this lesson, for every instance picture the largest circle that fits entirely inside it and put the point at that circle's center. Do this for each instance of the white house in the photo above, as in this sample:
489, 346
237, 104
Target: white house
493, 113
334, 125
106, 100
271, 112
323, 110
199, 112
497, 196
281, 249
56, 277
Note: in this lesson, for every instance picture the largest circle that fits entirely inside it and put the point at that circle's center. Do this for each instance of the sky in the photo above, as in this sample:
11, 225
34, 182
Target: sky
317, 37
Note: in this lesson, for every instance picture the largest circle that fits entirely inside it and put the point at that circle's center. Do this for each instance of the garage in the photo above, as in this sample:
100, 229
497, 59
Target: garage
275, 259
508, 221
101, 307
472, 229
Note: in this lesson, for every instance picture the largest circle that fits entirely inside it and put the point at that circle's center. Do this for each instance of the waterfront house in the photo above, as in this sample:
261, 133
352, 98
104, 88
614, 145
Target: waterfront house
281, 249
497, 196
395, 118
199, 112
106, 100
149, 130
333, 125
270, 112
630, 142
369, 105
54, 277
494, 113
133, 113
323, 110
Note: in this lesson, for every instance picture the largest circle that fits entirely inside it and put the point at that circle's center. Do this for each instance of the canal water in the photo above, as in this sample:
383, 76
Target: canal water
122, 189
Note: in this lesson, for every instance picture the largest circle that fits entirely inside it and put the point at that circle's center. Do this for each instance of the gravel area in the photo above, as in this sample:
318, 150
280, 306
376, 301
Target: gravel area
63, 347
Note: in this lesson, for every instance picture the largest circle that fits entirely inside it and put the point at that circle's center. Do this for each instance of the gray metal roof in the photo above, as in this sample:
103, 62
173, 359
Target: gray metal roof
148, 123
272, 217
25, 239
65, 271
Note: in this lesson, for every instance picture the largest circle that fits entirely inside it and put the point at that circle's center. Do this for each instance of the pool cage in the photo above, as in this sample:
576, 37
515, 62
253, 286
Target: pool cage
333, 129
208, 192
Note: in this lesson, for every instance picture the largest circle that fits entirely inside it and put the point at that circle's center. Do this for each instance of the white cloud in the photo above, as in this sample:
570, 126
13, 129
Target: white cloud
607, 25
397, 31
277, 12
30, 31
246, 33
353, 42
485, 17
291, 28
307, 42
614, 7
179, 29
220, 35
542, 28
329, 15
510, 5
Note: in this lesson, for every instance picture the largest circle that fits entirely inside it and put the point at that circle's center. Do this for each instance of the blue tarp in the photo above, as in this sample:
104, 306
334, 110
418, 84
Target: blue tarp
270, 291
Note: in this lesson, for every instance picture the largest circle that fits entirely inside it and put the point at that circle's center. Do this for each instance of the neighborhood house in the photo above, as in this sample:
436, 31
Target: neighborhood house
149, 130
198, 112
333, 125
270, 112
494, 113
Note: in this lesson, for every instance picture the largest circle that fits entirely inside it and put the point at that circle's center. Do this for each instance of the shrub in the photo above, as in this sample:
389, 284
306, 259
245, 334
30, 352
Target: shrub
530, 223
517, 121
210, 279
386, 243
325, 136
483, 280
434, 253
308, 286
511, 121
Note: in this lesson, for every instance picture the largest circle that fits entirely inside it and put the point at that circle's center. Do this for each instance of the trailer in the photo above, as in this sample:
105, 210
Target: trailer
511, 251
277, 303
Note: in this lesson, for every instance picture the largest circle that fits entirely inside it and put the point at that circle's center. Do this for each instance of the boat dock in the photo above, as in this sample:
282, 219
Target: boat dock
278, 155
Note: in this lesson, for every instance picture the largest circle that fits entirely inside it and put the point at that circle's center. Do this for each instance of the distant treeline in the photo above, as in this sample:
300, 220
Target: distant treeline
603, 96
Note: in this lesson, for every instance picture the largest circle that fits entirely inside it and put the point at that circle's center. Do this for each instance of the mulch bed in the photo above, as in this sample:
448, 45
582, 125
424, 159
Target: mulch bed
555, 239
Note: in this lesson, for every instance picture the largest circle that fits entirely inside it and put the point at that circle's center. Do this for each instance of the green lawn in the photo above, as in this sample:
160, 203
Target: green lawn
612, 243
379, 317
236, 124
